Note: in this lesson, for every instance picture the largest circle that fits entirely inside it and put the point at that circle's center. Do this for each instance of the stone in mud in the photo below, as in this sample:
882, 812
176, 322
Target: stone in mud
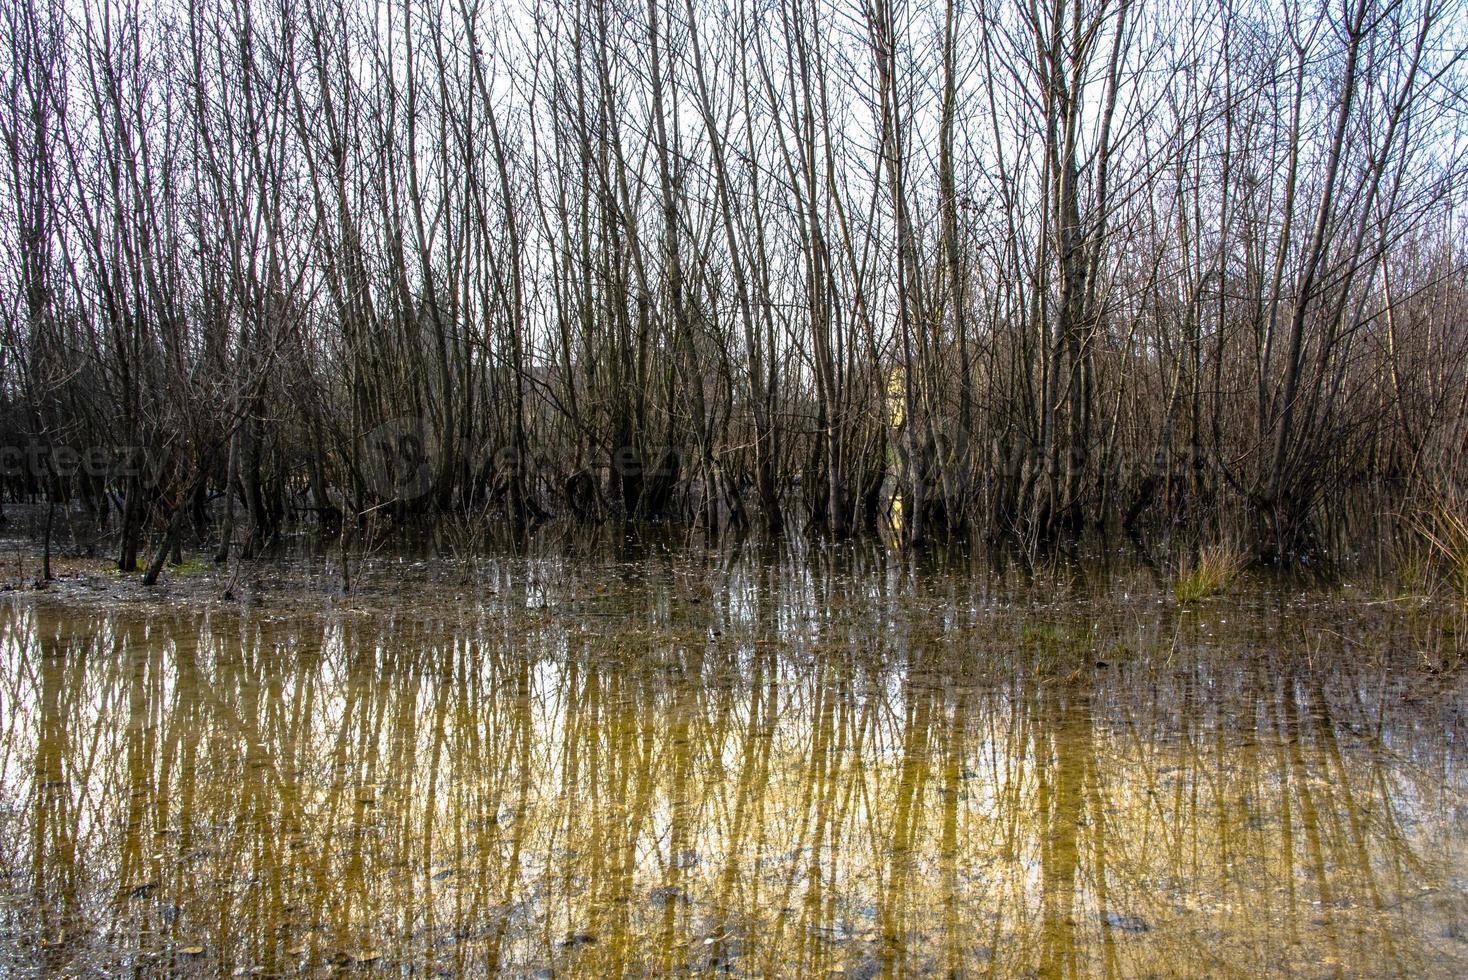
143, 890
668, 895
1127, 923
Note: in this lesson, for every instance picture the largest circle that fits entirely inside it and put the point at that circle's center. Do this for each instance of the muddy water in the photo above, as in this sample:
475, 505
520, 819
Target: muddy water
811, 764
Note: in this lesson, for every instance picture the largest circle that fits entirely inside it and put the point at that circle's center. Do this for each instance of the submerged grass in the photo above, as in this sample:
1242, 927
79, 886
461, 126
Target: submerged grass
1211, 571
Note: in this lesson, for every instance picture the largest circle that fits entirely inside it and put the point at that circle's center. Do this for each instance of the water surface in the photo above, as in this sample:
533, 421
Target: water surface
823, 763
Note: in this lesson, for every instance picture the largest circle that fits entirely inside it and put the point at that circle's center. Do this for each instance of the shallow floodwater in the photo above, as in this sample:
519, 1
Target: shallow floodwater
790, 764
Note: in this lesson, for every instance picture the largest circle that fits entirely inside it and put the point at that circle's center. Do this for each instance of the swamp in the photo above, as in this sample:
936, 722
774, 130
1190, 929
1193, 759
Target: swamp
779, 488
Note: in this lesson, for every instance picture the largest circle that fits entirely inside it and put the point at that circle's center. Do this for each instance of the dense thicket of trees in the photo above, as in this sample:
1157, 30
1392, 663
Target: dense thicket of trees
997, 266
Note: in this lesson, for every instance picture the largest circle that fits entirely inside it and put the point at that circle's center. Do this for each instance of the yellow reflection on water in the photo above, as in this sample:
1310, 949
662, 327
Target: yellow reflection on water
758, 770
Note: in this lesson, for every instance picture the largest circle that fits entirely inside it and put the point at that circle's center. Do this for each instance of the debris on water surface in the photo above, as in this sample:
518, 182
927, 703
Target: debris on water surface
1127, 923
668, 895
143, 890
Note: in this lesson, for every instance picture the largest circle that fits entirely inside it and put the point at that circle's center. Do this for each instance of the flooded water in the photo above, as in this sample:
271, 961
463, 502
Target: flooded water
823, 763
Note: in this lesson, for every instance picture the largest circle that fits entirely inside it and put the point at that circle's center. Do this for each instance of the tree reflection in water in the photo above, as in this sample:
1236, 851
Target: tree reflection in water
765, 766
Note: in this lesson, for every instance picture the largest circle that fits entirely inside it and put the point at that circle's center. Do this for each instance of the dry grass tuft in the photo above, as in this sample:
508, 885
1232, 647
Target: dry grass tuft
1444, 526
1210, 572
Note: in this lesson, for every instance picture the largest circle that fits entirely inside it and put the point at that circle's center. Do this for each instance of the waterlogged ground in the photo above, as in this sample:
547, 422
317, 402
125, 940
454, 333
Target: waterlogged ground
764, 763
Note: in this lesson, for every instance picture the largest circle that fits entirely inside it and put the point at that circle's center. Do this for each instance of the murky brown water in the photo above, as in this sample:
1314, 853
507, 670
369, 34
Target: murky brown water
806, 765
